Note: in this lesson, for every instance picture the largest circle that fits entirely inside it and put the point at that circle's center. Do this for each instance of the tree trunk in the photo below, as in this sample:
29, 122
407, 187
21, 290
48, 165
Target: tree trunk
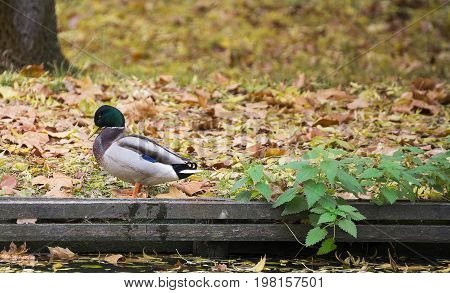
28, 34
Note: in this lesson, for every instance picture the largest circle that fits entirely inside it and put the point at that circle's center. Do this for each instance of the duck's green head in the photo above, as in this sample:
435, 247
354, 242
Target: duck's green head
107, 116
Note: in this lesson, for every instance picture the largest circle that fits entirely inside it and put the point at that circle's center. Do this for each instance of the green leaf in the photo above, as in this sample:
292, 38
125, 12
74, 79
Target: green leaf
264, 189
349, 182
411, 179
326, 218
345, 144
306, 173
244, 196
356, 216
390, 194
327, 202
240, 183
329, 167
414, 150
318, 210
347, 208
296, 165
296, 205
371, 173
286, 196
313, 191
315, 235
327, 246
348, 226
256, 173
313, 218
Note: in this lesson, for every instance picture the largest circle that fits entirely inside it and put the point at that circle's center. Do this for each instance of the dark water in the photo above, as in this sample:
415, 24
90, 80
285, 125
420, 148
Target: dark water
178, 263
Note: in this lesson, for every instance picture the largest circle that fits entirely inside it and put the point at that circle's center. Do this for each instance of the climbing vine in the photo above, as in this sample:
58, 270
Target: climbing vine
321, 174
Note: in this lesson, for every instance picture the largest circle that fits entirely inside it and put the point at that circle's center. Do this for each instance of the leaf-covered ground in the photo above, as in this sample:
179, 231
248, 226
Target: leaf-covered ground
228, 83
17, 259
223, 125
263, 40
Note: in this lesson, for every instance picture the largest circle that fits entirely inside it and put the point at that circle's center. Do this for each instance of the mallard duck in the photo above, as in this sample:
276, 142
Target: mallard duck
133, 158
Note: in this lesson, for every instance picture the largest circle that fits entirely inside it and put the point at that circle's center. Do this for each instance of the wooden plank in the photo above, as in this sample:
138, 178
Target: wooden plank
212, 232
42, 208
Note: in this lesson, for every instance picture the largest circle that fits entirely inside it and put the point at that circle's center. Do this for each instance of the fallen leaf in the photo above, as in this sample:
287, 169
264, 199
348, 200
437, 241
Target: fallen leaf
221, 112
165, 79
60, 180
274, 152
421, 83
333, 119
333, 94
114, 258
34, 139
219, 268
8, 181
138, 110
192, 187
407, 104
8, 92
61, 253
39, 180
57, 192
33, 70
359, 103
174, 193
202, 97
16, 254
300, 81
259, 267
26, 221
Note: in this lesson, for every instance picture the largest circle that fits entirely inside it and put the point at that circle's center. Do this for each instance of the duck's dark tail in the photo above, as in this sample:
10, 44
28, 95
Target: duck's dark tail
185, 170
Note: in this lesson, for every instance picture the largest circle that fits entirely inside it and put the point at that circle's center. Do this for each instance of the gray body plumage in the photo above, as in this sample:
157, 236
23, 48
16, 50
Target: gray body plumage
122, 156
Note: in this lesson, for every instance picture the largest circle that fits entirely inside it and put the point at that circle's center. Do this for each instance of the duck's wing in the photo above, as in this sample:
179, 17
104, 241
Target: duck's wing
151, 150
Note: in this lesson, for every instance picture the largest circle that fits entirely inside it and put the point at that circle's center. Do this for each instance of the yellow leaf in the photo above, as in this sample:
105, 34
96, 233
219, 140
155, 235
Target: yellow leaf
259, 267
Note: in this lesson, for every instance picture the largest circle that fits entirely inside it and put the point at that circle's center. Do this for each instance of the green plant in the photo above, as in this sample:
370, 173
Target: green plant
255, 182
321, 174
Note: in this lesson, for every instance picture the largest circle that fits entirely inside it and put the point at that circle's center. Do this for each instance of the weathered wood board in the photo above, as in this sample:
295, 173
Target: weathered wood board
218, 209
210, 225
213, 232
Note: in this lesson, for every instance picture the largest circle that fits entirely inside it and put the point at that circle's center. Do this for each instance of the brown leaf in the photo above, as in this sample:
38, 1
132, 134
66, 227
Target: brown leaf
8, 181
32, 70
301, 81
56, 192
333, 94
333, 119
223, 164
358, 104
61, 253
221, 112
220, 268
407, 104
426, 84
174, 193
16, 253
138, 110
274, 152
26, 221
165, 79
203, 97
192, 187
114, 258
60, 180
34, 139
39, 180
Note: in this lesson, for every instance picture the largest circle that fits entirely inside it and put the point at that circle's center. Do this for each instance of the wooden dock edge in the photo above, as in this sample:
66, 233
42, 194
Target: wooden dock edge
205, 226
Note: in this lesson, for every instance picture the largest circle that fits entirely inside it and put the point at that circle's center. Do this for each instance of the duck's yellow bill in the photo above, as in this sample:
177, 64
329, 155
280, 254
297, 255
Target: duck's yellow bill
93, 131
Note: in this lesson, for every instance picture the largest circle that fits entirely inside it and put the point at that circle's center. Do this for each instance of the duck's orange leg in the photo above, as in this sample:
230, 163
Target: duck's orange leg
136, 189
